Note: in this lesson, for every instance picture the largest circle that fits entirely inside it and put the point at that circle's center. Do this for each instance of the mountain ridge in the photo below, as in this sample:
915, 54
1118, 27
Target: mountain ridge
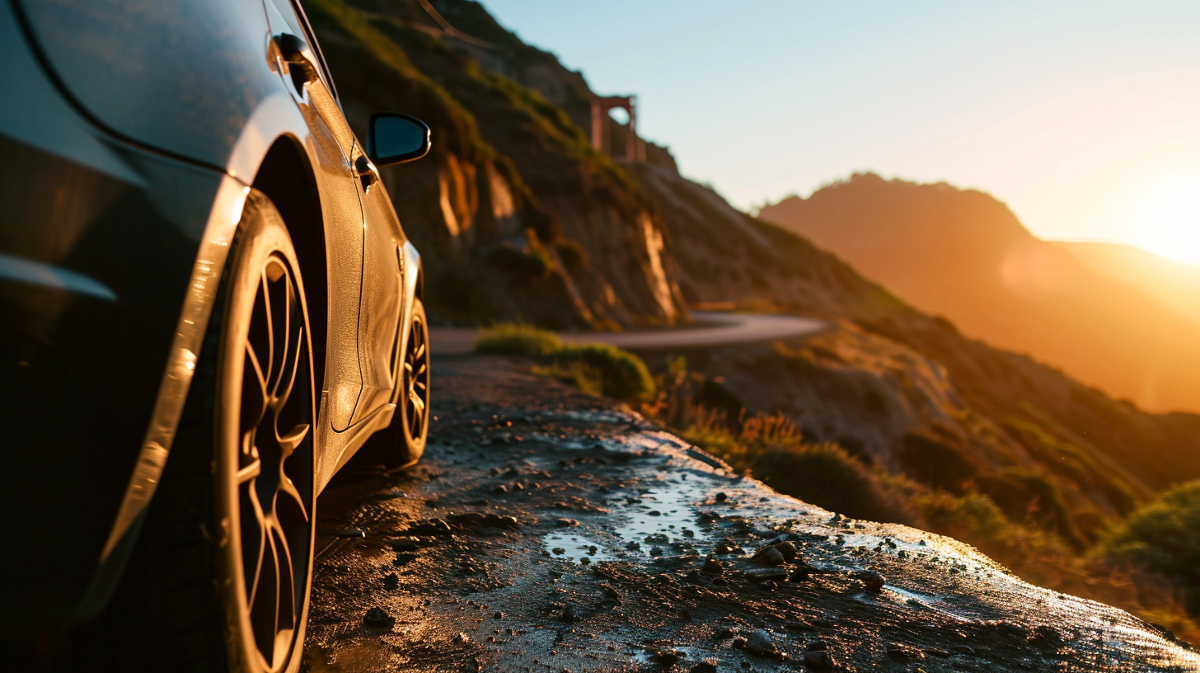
964, 255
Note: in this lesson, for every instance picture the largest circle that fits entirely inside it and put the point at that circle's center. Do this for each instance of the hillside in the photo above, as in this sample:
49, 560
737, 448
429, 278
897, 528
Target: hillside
1172, 283
629, 243
906, 390
962, 254
518, 218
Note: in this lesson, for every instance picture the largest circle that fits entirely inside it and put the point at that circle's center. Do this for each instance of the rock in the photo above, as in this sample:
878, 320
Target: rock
500, 489
462, 638
567, 523
405, 544
769, 556
727, 547
667, 657
872, 579
570, 614
404, 558
654, 512
498, 615
762, 643
819, 660
713, 567
477, 520
376, 617
655, 551
767, 574
429, 527
787, 550
721, 497
708, 666
351, 532
391, 582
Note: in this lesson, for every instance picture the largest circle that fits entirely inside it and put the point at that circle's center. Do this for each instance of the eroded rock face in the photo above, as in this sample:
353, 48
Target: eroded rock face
656, 567
516, 216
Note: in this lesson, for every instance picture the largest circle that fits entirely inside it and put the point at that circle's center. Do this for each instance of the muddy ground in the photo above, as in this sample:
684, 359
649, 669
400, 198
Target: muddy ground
549, 530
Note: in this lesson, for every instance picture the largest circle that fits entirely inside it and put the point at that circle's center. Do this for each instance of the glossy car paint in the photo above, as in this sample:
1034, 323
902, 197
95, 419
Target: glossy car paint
112, 240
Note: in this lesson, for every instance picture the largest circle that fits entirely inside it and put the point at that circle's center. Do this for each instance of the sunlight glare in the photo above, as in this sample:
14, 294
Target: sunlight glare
1165, 219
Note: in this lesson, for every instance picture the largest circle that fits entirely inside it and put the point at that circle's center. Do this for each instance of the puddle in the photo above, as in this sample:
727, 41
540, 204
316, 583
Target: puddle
575, 548
661, 515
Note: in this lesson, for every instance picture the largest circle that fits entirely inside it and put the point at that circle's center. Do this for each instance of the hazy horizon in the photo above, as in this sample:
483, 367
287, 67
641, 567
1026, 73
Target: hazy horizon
1077, 115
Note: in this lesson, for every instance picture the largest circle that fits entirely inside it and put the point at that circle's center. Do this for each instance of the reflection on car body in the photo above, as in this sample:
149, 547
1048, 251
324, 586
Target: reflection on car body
207, 306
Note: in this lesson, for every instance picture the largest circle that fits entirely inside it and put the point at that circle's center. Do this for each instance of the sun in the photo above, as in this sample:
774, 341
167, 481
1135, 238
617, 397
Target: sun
1165, 218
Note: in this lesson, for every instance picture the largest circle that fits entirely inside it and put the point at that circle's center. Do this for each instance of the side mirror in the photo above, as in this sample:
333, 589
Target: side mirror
393, 138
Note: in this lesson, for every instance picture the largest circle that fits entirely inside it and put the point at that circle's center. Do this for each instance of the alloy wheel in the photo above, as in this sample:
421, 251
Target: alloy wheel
274, 468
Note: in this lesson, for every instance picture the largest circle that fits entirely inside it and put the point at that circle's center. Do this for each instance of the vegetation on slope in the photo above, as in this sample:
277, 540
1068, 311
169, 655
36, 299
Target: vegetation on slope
518, 219
596, 368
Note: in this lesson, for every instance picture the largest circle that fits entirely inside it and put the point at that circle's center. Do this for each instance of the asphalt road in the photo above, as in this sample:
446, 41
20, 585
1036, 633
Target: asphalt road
720, 329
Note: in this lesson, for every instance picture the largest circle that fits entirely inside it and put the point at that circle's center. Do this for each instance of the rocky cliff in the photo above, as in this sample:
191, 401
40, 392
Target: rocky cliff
517, 217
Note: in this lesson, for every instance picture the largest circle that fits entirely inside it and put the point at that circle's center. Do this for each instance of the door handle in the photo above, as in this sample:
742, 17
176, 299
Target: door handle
365, 172
291, 50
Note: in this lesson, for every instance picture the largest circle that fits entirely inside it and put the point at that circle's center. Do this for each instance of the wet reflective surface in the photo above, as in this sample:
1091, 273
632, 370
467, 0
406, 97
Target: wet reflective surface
573, 581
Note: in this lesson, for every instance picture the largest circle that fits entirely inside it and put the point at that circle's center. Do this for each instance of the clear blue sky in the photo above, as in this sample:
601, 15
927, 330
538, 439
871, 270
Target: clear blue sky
1074, 113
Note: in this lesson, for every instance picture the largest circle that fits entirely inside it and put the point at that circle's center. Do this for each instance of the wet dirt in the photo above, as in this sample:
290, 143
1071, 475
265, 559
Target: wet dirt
549, 530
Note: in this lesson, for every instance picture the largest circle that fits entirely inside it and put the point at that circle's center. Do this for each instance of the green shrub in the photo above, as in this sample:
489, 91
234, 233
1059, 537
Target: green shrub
827, 476
598, 368
618, 373
1033, 499
519, 263
516, 339
1163, 536
572, 254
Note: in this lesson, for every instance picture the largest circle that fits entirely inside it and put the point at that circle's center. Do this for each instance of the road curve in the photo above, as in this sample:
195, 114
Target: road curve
722, 329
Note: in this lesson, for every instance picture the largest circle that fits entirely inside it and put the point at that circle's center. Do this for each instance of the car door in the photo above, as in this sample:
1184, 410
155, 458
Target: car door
381, 308
331, 142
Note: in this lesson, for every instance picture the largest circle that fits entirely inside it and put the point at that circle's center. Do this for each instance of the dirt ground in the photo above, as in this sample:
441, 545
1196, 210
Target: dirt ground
549, 530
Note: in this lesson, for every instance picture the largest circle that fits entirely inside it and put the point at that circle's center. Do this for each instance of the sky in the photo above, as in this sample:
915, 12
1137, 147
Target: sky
1084, 117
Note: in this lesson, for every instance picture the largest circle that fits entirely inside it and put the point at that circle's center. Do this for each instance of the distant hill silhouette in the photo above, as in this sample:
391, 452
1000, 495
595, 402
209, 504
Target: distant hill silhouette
964, 255
1174, 284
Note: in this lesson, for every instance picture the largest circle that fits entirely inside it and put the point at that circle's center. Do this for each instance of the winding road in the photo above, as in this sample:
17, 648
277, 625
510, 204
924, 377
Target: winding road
721, 329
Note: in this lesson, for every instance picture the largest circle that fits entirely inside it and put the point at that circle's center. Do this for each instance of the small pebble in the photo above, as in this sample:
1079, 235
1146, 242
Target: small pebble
377, 617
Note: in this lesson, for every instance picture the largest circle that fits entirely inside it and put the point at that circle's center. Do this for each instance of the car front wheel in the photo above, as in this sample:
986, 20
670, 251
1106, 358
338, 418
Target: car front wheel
221, 577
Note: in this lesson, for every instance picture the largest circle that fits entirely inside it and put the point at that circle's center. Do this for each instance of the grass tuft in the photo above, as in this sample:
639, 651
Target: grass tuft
596, 368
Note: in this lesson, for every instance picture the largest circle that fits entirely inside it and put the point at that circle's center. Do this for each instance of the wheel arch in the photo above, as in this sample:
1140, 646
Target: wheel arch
287, 178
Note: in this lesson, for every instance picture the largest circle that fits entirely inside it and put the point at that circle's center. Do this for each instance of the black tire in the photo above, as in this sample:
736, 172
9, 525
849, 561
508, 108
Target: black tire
224, 561
402, 443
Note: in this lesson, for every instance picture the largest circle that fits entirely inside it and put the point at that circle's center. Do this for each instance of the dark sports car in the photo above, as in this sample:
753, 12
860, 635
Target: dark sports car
207, 306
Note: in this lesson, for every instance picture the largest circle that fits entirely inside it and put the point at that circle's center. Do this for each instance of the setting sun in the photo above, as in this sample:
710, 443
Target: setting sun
1165, 218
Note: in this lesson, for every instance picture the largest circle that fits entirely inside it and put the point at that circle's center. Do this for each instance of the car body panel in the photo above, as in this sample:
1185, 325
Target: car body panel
110, 266
121, 59
97, 244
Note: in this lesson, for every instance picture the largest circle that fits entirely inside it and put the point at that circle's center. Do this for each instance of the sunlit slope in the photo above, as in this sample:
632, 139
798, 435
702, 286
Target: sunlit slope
511, 172
516, 216
1174, 284
964, 255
